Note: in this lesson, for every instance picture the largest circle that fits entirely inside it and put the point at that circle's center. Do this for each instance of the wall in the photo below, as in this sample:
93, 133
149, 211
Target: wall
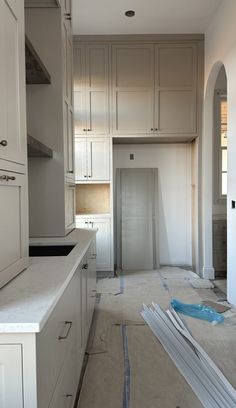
220, 47
174, 169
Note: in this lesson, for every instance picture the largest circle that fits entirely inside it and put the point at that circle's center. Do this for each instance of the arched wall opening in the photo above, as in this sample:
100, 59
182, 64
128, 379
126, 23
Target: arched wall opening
208, 168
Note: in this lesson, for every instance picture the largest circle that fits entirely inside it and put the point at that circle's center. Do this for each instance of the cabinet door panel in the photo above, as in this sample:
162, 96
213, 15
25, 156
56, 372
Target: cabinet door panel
13, 221
175, 66
97, 112
133, 66
80, 124
69, 206
177, 113
12, 82
134, 112
11, 382
81, 159
103, 243
98, 156
132, 89
97, 66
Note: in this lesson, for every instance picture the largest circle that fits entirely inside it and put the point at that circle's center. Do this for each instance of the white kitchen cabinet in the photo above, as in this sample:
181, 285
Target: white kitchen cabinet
92, 159
50, 120
91, 105
132, 88
12, 82
42, 369
175, 89
14, 224
68, 90
11, 381
103, 239
154, 89
69, 206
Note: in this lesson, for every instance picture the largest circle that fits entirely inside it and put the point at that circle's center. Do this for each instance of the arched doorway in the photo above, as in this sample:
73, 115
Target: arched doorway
214, 174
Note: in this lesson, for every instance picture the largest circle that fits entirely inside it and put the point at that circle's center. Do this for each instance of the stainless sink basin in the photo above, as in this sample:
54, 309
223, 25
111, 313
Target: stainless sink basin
50, 250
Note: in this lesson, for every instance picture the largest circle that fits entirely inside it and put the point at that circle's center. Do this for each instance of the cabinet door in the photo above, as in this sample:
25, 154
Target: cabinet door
97, 107
12, 82
80, 124
14, 225
84, 313
82, 222
175, 80
91, 286
98, 159
69, 205
81, 159
11, 381
103, 243
133, 89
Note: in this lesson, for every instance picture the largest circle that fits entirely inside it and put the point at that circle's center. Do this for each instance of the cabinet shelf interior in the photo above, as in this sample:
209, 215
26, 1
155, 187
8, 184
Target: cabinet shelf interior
92, 199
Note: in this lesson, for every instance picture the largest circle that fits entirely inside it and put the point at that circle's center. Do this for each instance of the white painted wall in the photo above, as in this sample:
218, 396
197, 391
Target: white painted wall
220, 47
174, 170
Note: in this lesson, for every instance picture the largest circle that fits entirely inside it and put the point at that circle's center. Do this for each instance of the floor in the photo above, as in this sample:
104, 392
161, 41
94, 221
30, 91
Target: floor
127, 367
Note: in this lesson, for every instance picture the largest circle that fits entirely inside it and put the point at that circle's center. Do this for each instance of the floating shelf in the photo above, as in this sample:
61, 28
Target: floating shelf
36, 72
41, 3
38, 149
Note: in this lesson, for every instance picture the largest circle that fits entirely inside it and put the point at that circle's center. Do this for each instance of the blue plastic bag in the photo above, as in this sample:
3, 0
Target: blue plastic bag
199, 311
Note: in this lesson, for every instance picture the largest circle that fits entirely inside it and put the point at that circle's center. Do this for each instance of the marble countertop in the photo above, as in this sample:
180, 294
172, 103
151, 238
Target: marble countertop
27, 301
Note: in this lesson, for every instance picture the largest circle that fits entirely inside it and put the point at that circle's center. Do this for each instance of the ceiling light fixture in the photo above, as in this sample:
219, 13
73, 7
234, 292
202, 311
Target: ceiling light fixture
130, 13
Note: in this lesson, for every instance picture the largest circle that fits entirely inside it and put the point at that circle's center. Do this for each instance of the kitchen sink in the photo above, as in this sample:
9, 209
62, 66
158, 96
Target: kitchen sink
50, 250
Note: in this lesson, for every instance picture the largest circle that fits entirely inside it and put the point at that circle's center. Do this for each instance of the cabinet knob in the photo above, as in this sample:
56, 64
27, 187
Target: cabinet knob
84, 130
85, 176
89, 130
152, 129
3, 143
156, 129
90, 176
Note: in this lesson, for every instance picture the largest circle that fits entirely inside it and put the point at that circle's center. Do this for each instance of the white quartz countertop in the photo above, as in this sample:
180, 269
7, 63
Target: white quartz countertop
27, 301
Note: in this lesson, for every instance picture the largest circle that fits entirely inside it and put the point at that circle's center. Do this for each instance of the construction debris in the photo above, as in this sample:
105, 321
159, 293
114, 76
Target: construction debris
204, 377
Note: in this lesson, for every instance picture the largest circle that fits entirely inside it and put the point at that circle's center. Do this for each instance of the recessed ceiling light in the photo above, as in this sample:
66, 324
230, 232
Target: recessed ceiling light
130, 13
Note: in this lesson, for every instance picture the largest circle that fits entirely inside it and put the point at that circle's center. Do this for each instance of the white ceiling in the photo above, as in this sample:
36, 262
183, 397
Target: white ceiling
152, 16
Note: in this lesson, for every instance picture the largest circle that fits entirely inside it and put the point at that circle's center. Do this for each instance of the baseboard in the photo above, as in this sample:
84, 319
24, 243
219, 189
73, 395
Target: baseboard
208, 273
105, 274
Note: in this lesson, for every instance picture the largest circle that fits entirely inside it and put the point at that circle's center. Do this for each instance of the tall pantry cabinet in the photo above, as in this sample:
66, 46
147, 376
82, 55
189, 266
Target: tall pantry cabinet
93, 147
50, 120
13, 160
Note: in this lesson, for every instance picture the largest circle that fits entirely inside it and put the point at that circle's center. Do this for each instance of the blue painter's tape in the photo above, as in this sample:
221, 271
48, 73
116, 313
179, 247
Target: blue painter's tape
126, 392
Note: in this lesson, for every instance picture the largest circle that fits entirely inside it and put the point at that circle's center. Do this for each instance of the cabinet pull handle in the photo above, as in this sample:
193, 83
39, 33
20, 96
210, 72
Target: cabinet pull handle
67, 14
68, 18
70, 171
7, 178
69, 324
69, 395
3, 143
85, 266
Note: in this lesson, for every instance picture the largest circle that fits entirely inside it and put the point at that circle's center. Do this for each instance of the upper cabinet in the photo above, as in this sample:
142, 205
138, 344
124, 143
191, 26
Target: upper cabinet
12, 82
91, 108
132, 89
154, 89
175, 89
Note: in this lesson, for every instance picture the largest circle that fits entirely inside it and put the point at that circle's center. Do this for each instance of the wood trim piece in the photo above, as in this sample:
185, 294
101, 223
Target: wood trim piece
145, 38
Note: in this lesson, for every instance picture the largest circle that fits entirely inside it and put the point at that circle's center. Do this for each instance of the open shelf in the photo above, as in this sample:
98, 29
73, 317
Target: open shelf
41, 3
36, 72
92, 199
38, 149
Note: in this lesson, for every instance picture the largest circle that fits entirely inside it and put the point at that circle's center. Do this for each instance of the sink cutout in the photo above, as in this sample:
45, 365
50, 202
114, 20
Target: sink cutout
50, 250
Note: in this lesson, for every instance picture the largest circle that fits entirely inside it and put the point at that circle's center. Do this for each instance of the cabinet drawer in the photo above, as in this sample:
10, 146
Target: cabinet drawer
65, 392
54, 342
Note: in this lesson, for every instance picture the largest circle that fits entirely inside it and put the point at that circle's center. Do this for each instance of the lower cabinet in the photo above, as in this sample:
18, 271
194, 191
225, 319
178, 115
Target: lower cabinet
42, 370
14, 224
103, 239
11, 376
